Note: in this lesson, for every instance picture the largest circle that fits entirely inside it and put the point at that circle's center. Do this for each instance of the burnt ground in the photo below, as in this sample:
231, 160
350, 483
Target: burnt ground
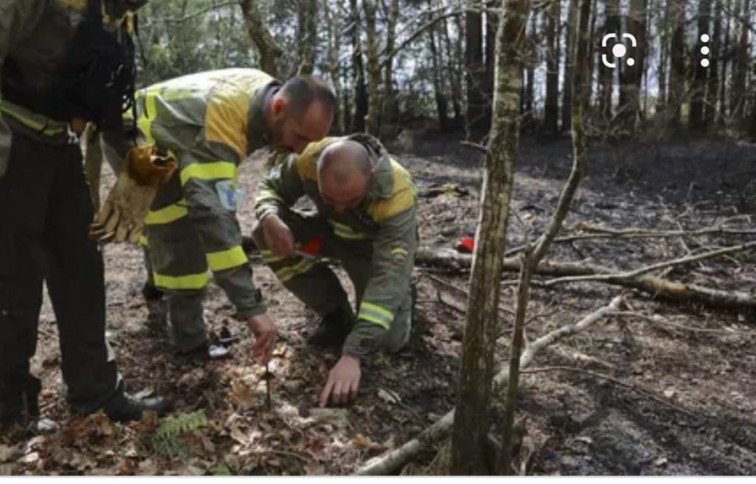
698, 366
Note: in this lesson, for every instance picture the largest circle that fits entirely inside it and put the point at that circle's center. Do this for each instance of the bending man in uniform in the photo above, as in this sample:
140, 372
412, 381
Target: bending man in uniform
210, 122
63, 63
367, 220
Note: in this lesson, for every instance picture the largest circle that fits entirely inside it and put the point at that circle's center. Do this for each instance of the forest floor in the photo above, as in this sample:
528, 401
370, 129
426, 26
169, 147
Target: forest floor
700, 368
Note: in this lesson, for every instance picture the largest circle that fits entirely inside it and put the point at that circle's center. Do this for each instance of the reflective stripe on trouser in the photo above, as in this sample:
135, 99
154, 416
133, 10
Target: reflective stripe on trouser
46, 215
180, 270
318, 287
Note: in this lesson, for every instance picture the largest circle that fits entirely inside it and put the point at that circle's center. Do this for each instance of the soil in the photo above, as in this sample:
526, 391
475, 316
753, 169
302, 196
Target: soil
703, 420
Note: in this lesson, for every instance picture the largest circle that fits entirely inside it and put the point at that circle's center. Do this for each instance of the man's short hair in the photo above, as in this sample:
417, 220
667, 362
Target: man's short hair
301, 91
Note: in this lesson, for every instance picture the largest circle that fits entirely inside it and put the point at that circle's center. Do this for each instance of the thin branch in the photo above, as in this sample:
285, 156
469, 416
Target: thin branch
653, 267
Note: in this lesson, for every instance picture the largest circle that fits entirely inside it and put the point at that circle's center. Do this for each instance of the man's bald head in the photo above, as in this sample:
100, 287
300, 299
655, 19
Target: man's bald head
344, 171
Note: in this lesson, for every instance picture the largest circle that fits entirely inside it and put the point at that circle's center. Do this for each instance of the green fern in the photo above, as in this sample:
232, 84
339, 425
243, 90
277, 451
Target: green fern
167, 442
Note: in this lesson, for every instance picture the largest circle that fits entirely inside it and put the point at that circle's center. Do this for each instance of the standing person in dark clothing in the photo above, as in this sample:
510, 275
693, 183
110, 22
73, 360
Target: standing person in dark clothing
63, 63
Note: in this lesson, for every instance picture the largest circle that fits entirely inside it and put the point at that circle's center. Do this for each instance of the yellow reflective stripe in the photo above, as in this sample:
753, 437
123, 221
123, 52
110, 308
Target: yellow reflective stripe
380, 311
346, 232
143, 240
398, 250
287, 273
209, 171
226, 259
189, 281
376, 314
269, 257
167, 214
30, 123
265, 193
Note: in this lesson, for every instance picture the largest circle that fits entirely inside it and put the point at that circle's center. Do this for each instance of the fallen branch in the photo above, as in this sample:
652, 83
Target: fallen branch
397, 458
656, 286
653, 267
658, 320
631, 234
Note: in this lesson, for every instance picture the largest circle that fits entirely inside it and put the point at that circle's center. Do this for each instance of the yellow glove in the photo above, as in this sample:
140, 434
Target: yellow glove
122, 216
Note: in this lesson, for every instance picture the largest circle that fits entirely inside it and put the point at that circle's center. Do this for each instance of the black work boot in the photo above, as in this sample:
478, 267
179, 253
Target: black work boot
151, 293
125, 408
20, 409
333, 328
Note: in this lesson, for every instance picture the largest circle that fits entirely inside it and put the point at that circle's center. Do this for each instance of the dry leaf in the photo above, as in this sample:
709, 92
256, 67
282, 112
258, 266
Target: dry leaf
7, 453
362, 441
669, 392
388, 396
242, 395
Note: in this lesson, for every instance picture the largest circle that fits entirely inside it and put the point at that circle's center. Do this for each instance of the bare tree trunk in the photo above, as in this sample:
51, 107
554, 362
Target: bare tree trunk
551, 110
441, 102
632, 71
529, 104
740, 67
333, 20
607, 76
388, 75
492, 26
360, 89
567, 87
471, 424
474, 67
307, 35
374, 69
266, 46
677, 75
700, 72
712, 90
723, 105
661, 71
454, 71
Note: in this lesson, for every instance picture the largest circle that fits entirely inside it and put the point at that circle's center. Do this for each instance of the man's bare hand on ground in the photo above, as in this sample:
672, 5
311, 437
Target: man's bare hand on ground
265, 337
343, 381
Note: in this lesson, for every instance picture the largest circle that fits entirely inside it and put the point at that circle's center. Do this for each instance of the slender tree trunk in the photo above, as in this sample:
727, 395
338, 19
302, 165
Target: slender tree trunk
740, 68
474, 67
712, 91
725, 57
333, 20
441, 102
530, 70
374, 69
453, 62
551, 110
591, 54
677, 75
567, 86
258, 31
661, 71
471, 423
360, 89
700, 72
492, 25
632, 71
307, 36
607, 75
388, 75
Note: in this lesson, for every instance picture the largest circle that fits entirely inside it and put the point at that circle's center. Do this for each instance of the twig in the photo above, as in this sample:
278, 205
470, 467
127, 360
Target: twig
666, 322
477, 146
653, 267
618, 382
399, 457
